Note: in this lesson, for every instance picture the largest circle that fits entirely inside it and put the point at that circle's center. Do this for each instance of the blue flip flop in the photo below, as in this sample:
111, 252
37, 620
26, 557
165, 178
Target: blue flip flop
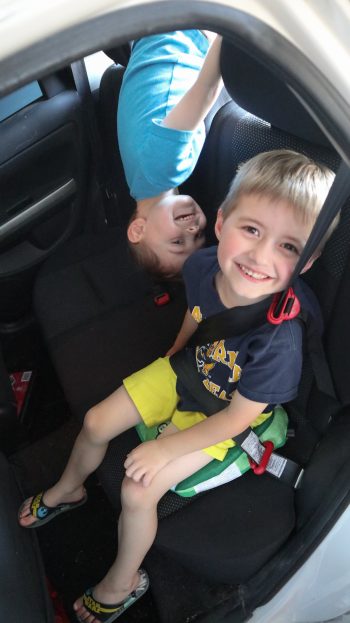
106, 613
44, 513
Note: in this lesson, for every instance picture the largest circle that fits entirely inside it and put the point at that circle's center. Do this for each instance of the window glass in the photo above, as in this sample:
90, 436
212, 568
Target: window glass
19, 99
95, 66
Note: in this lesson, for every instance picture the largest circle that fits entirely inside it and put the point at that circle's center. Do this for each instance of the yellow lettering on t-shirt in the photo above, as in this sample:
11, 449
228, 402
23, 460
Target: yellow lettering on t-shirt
223, 395
207, 367
232, 356
212, 387
235, 375
206, 384
219, 353
211, 349
196, 313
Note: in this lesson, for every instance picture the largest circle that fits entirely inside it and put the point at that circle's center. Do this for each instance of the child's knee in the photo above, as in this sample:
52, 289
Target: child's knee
135, 496
92, 424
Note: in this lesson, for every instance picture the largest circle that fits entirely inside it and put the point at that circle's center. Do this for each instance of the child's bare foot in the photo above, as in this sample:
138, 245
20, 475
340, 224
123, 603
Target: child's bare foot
40, 509
99, 605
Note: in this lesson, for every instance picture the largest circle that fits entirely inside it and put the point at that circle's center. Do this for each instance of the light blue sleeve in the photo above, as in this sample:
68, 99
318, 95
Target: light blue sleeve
161, 69
167, 158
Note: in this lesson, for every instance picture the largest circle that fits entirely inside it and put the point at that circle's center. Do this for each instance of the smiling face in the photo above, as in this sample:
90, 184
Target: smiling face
173, 228
260, 242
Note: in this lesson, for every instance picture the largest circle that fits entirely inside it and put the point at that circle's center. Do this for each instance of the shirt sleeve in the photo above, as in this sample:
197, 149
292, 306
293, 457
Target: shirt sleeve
273, 369
191, 276
169, 156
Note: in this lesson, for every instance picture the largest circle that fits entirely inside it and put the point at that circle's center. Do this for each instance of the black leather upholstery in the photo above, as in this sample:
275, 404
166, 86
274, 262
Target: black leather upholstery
24, 595
9, 425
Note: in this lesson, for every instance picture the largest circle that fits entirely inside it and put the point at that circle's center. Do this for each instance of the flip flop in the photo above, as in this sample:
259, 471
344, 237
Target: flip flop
44, 513
106, 613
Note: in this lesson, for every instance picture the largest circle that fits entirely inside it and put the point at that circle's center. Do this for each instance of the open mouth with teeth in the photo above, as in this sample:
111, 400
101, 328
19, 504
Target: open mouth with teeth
252, 275
185, 219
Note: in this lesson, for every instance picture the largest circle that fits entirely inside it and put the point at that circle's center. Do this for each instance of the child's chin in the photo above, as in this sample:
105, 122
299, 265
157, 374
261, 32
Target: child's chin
252, 297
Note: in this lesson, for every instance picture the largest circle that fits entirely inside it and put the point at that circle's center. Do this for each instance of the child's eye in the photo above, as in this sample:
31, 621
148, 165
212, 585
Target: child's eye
251, 230
291, 248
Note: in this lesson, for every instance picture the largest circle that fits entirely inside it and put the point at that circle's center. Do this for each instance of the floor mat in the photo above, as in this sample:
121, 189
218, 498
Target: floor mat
78, 547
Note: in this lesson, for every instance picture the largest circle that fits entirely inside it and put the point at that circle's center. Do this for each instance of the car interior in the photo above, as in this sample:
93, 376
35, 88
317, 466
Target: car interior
79, 315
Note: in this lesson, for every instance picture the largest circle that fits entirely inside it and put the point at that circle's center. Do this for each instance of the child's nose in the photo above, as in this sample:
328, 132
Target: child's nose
261, 252
190, 225
193, 229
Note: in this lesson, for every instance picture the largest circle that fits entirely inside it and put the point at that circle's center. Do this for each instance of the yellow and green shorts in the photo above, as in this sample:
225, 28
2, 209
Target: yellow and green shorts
153, 391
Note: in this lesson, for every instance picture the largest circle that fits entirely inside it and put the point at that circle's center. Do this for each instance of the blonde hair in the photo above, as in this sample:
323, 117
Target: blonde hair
287, 175
146, 258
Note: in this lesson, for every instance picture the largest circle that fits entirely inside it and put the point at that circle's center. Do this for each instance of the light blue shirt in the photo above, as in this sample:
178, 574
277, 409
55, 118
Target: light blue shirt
161, 69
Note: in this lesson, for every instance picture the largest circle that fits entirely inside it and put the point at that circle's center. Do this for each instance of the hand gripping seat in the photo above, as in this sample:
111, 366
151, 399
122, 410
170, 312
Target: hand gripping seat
233, 534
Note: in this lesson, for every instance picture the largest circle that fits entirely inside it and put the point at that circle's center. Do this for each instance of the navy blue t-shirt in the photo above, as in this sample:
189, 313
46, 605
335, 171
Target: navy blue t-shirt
264, 363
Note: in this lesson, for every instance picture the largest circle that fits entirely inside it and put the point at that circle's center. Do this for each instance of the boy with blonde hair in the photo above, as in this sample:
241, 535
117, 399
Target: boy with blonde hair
262, 228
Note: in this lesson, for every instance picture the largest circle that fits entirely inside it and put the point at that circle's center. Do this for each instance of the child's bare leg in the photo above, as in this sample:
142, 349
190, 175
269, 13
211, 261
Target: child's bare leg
137, 529
106, 420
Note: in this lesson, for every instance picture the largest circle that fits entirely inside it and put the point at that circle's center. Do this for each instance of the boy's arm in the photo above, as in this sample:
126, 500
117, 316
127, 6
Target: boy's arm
193, 107
223, 425
145, 461
188, 327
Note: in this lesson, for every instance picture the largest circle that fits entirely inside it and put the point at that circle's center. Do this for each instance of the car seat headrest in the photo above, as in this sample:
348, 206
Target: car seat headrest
258, 91
121, 54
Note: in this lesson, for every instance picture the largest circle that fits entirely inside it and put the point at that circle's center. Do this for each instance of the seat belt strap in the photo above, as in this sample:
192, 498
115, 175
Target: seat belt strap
262, 458
230, 322
82, 84
338, 194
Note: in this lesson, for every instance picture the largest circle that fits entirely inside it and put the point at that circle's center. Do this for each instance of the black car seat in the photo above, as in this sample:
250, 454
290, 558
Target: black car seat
9, 425
99, 327
24, 592
107, 106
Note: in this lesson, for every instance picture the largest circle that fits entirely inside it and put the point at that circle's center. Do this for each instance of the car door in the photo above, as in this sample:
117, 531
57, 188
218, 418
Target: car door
44, 166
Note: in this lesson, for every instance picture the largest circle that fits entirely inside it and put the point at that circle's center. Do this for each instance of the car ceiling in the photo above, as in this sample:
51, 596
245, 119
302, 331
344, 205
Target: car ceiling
100, 24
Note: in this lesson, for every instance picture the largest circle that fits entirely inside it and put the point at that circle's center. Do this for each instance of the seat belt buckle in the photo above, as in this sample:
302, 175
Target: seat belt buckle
283, 309
161, 299
260, 468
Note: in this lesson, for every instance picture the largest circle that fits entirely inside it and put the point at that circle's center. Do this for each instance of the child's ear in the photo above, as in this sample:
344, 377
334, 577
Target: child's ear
136, 229
219, 223
310, 262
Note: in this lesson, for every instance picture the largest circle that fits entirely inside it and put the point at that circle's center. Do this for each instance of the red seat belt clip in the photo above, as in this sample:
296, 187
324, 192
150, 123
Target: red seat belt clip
161, 299
285, 309
260, 468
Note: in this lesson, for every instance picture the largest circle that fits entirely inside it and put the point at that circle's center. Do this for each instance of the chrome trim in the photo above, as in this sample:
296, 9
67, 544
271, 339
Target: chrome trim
39, 208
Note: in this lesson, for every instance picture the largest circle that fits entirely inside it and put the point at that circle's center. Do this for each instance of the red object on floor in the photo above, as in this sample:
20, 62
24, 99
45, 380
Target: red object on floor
20, 382
60, 613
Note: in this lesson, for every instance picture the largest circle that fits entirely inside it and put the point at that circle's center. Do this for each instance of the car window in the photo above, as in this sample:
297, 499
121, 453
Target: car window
17, 100
95, 66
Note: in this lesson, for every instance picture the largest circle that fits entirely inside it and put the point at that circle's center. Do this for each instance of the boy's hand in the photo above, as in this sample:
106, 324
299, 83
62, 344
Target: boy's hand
145, 461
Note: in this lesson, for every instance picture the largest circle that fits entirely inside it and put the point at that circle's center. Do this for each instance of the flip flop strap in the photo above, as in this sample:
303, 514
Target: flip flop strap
97, 607
38, 507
